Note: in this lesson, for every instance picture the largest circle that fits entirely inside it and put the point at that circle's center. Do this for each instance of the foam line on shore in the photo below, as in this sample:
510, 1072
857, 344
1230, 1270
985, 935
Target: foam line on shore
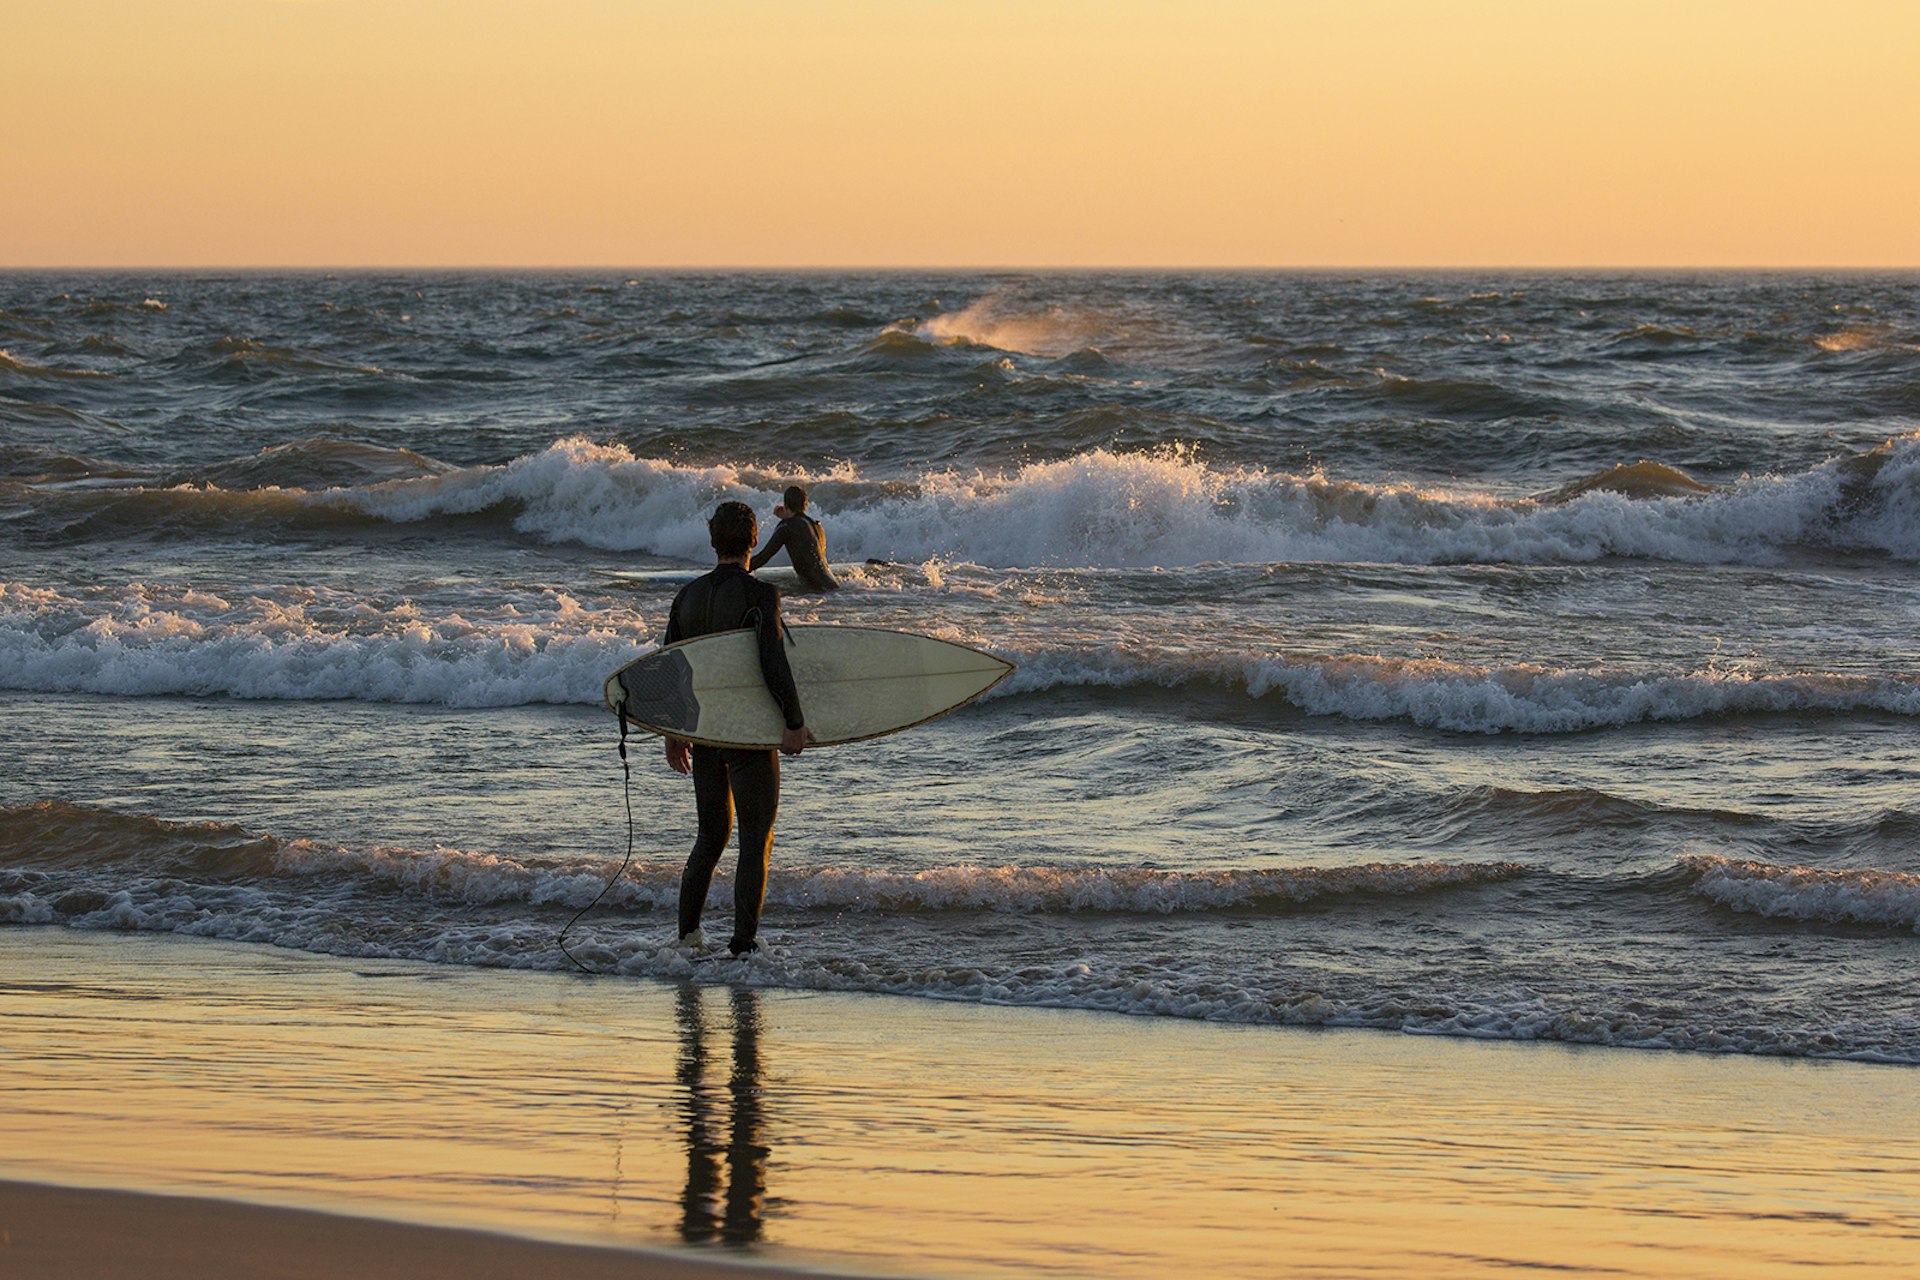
94, 869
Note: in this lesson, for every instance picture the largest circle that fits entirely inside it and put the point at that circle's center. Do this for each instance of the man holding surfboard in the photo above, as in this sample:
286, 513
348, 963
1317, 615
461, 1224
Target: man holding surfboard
722, 692
726, 779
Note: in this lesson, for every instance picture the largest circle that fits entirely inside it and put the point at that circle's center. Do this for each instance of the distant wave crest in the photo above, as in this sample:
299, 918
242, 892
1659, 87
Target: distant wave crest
1165, 508
1170, 508
1809, 893
1011, 324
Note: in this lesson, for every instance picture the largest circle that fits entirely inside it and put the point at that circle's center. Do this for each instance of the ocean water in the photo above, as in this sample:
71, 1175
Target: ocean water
1506, 656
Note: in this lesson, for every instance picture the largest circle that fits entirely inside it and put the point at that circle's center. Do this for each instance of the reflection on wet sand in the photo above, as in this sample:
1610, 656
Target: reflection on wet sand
726, 1156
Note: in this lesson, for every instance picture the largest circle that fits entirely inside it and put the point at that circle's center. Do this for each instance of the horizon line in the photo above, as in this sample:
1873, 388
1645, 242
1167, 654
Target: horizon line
898, 269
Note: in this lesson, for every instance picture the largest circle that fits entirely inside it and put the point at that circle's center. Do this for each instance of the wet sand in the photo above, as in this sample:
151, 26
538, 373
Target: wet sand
864, 1134
67, 1233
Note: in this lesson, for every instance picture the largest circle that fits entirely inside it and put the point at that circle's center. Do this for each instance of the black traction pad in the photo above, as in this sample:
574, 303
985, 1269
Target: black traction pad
660, 693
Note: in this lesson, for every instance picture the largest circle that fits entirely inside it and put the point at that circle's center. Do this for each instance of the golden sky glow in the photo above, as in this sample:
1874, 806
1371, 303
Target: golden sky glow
960, 133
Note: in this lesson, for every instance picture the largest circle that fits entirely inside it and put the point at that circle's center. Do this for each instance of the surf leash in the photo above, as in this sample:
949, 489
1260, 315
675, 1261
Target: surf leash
626, 787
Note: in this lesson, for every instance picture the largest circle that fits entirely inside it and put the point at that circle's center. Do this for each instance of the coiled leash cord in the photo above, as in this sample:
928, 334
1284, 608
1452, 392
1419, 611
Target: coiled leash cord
626, 771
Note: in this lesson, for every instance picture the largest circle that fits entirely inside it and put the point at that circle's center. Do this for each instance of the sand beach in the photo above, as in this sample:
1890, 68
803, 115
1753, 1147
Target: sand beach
81, 1234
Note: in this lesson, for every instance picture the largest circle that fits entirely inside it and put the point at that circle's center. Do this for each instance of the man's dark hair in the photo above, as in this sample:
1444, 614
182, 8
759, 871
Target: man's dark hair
796, 499
733, 528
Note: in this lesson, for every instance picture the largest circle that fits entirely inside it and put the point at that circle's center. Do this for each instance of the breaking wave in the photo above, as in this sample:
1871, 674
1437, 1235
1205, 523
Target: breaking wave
309, 643
1010, 324
1877, 337
547, 646
1095, 509
1809, 893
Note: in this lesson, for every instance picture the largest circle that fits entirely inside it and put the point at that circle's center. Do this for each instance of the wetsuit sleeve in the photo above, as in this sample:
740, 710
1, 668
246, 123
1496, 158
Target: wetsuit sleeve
777, 541
773, 658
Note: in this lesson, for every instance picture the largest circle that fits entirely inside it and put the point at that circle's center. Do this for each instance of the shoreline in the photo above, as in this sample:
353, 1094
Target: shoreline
856, 1134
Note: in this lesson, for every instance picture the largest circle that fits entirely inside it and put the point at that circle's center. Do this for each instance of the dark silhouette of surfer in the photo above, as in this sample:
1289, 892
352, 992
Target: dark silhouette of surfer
727, 599
804, 539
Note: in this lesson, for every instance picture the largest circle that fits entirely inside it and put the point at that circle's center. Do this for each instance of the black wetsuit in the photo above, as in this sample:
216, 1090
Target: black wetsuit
806, 544
727, 778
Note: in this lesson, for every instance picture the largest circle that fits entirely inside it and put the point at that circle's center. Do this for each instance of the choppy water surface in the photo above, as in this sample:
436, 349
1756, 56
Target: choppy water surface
1506, 656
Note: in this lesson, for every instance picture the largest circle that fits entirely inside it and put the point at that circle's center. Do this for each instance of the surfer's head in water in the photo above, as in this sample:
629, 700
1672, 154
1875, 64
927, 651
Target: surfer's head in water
733, 529
795, 503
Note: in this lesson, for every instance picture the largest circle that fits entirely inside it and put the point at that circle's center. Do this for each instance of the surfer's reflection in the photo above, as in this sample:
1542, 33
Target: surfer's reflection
724, 1125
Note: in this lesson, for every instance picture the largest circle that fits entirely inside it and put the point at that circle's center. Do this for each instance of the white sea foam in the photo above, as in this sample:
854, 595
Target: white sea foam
574, 490
1809, 893
1006, 323
25, 908
305, 644
1172, 508
309, 644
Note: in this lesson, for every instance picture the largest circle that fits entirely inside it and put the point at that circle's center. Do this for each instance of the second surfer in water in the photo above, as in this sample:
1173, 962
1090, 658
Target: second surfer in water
804, 539
726, 779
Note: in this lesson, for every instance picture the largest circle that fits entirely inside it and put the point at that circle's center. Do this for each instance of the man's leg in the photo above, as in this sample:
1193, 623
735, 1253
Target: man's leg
756, 792
713, 803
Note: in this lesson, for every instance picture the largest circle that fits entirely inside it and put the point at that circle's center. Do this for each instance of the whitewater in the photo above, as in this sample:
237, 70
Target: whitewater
1509, 656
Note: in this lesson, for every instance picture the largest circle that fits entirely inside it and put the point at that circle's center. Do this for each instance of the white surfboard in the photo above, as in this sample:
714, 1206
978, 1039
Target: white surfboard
854, 683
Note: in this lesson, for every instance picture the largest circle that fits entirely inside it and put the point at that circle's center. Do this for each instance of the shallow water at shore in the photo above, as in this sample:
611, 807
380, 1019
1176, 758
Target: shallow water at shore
1263, 888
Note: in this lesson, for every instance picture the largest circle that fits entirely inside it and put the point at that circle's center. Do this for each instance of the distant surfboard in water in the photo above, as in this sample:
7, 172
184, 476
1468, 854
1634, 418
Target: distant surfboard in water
854, 682
786, 579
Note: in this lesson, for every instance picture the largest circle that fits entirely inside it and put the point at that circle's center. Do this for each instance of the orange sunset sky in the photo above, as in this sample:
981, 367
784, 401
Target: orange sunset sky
960, 133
